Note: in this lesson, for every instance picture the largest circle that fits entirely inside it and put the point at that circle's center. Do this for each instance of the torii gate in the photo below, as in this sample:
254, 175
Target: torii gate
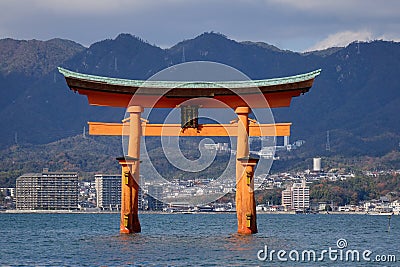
105, 91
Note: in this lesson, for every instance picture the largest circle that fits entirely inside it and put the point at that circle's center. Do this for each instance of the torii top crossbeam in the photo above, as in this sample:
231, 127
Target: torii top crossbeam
105, 91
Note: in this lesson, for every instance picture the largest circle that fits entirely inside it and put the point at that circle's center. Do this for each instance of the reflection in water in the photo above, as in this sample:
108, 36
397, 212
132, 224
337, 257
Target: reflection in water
238, 242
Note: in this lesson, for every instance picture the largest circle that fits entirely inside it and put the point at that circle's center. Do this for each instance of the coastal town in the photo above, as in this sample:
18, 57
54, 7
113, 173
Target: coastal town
64, 191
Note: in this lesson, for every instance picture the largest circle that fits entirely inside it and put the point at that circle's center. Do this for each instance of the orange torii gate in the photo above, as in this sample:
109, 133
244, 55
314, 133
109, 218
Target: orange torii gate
105, 91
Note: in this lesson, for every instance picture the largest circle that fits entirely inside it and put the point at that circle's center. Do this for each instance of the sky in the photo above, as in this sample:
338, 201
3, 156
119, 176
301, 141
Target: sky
297, 25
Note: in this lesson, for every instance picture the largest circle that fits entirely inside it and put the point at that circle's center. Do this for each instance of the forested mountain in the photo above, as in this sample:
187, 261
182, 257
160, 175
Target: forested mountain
356, 97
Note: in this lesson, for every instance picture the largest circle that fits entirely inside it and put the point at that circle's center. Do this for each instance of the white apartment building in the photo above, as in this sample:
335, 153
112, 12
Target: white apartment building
108, 191
296, 197
47, 191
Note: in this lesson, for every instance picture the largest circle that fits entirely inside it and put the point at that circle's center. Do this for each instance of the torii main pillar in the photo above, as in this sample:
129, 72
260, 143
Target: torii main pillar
130, 175
245, 201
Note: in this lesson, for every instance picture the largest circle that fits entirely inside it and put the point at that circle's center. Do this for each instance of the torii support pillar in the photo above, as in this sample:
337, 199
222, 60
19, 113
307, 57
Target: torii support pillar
131, 175
245, 202
247, 219
129, 222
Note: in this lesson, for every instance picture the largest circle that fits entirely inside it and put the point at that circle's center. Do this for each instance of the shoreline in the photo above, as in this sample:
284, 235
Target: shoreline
183, 212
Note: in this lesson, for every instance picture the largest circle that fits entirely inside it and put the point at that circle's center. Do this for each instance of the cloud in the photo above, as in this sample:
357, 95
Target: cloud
101, 7
308, 4
89, 7
342, 39
343, 8
288, 24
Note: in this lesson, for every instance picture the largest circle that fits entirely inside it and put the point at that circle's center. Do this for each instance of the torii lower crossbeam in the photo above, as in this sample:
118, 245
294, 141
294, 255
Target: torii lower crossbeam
255, 129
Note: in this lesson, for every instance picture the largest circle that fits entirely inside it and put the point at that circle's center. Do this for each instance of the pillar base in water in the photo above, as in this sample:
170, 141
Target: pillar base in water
129, 222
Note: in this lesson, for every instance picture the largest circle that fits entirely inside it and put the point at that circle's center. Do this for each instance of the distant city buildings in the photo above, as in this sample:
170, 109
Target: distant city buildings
7, 198
8, 191
296, 197
219, 147
47, 191
155, 193
63, 191
266, 148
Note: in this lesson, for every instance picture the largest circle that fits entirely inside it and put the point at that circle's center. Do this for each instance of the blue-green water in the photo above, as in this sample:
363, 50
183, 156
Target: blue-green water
188, 239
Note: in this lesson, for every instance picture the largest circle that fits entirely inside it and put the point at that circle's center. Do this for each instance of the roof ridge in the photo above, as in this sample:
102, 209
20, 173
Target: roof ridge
186, 84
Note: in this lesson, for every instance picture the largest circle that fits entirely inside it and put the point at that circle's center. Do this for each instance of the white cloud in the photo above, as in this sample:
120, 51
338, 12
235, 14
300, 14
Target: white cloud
101, 7
342, 39
389, 37
308, 4
354, 8
87, 6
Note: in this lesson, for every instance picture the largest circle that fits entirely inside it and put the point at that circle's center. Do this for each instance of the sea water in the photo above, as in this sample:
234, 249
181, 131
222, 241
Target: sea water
198, 240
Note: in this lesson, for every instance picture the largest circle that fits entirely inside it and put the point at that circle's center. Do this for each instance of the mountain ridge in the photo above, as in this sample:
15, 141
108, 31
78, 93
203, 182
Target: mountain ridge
354, 98
33, 57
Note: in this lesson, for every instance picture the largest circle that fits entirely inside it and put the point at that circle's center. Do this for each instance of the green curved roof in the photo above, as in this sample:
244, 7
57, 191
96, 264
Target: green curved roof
189, 84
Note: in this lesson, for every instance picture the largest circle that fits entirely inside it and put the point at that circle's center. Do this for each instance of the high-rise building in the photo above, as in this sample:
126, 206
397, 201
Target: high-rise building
317, 164
108, 191
47, 191
287, 198
296, 197
300, 196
